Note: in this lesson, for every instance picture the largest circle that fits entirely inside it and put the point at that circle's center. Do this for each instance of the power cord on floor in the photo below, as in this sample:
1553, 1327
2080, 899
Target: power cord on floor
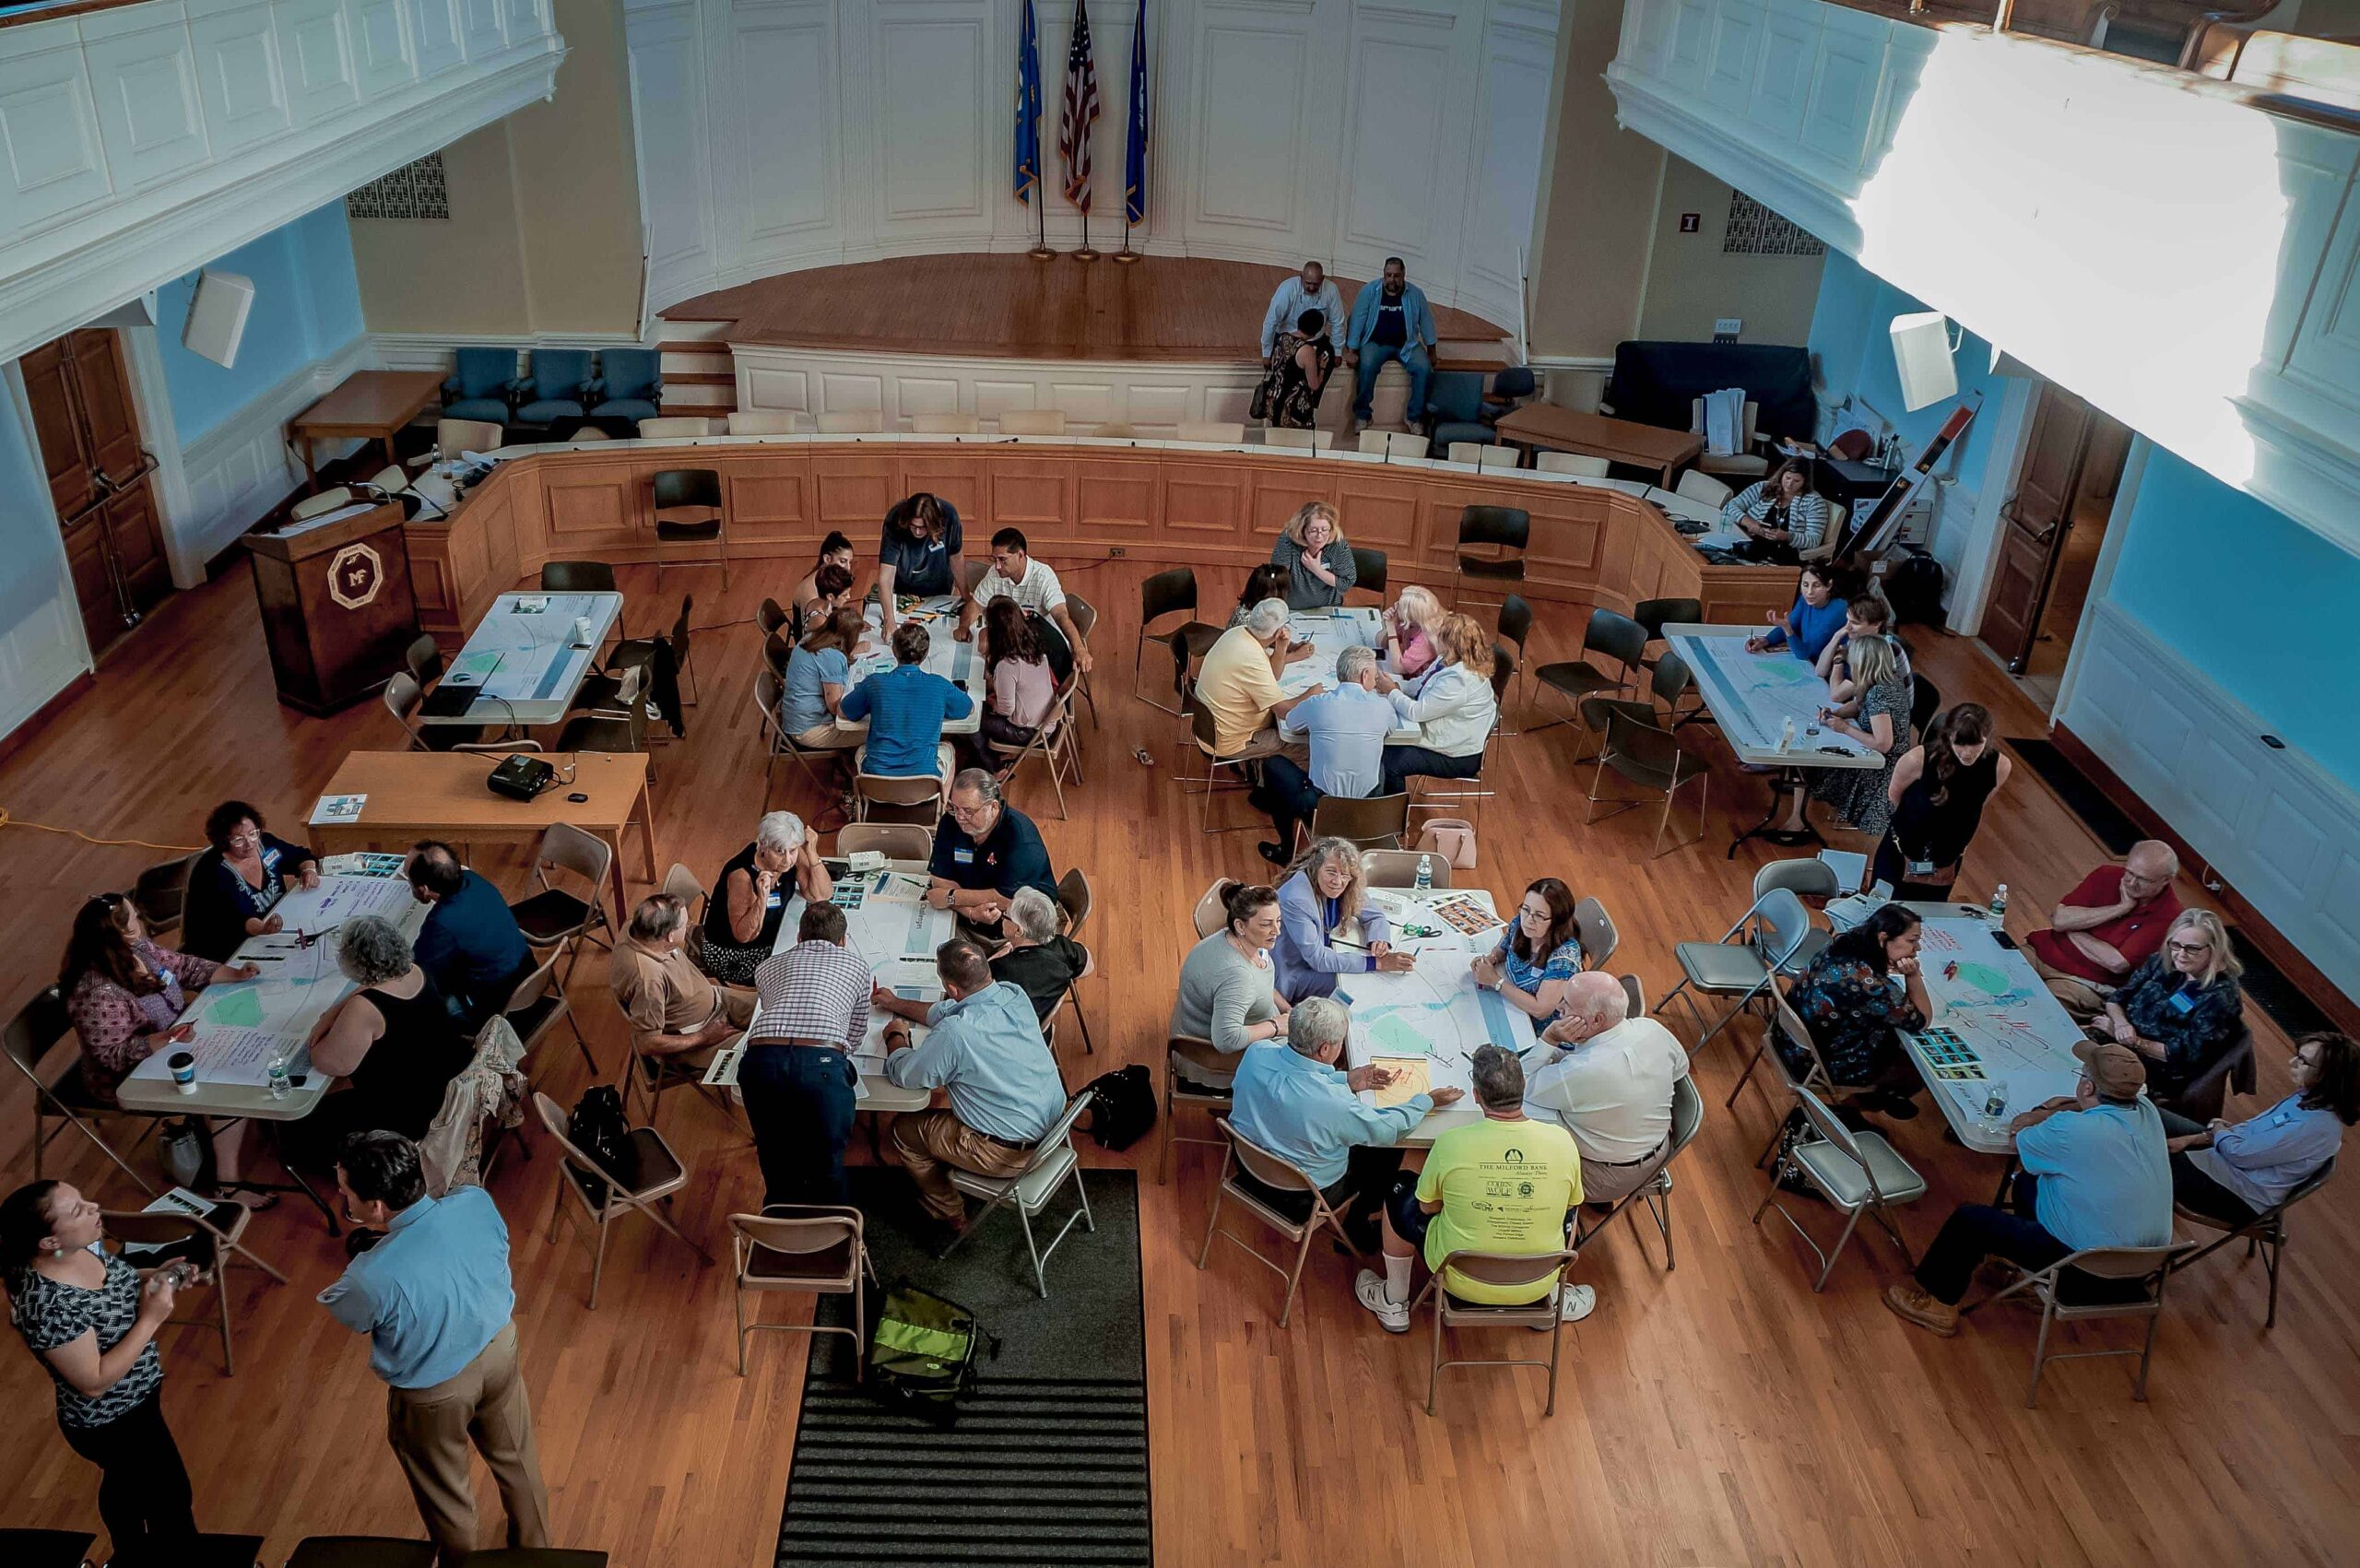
10, 819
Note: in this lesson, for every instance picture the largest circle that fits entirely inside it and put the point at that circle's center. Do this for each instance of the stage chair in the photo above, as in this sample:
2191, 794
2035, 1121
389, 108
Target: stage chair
453, 437
857, 421
675, 427
1468, 452
630, 384
1032, 422
317, 505
1248, 1158
1114, 429
1857, 1173
552, 389
602, 1199
1745, 460
1703, 489
1218, 432
1569, 463
1317, 441
768, 421
482, 385
1494, 458
945, 424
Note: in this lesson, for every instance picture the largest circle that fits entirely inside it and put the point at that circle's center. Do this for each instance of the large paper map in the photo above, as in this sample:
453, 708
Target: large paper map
1753, 693
527, 654
1434, 1010
1990, 999
1330, 632
945, 654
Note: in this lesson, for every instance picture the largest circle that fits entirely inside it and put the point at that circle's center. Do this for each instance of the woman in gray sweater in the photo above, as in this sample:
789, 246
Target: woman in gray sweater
1228, 988
1319, 563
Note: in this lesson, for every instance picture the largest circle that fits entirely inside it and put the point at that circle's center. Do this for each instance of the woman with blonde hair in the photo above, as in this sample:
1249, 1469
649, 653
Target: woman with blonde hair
1454, 710
1317, 562
1322, 892
2181, 1008
1410, 633
1862, 795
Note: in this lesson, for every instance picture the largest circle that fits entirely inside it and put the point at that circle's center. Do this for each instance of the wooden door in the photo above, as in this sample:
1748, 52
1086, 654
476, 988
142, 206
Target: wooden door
98, 479
65, 456
2034, 523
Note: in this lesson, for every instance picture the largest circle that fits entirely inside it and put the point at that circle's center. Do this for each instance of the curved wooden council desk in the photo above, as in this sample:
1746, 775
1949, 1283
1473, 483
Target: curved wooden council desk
1594, 541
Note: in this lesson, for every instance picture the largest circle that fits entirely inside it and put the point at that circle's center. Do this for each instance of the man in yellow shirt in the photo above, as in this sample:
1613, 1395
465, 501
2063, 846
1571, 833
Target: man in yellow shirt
1239, 682
1503, 1184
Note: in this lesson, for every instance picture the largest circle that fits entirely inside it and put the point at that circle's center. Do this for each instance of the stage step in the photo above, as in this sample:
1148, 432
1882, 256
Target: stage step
681, 332
698, 378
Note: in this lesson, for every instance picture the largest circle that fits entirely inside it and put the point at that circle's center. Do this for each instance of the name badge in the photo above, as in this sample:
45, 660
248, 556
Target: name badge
2181, 1003
772, 901
270, 860
963, 856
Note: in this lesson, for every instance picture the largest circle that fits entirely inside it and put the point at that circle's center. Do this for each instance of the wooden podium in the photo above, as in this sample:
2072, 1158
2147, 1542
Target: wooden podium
337, 608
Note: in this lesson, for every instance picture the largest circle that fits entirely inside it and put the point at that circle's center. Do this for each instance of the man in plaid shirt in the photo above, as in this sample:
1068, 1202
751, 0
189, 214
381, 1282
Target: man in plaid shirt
798, 1076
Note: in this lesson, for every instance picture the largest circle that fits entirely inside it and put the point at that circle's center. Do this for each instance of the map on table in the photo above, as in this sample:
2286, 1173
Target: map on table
1412, 1075
1436, 1011
1330, 632
1753, 693
1991, 1013
531, 652
945, 654
887, 922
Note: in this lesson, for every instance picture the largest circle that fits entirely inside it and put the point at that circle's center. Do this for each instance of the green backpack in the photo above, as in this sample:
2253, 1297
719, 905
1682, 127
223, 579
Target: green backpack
922, 1353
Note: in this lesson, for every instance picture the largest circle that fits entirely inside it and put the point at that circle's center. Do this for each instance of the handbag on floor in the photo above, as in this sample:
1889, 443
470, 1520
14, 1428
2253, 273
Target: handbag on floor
1122, 1107
922, 1353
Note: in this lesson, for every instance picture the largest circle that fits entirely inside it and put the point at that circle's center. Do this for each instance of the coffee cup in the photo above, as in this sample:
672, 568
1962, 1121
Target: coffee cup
182, 1066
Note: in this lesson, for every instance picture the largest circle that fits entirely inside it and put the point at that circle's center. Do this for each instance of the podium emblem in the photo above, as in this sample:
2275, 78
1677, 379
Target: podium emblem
356, 573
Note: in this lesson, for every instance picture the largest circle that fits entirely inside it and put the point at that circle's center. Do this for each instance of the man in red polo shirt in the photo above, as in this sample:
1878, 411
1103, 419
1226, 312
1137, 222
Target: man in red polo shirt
2107, 926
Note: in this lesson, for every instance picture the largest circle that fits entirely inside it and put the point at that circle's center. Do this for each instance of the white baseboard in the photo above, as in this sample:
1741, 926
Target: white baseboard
240, 469
2273, 822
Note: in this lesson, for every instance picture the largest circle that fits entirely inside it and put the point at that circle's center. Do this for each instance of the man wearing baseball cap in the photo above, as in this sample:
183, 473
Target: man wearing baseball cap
2095, 1174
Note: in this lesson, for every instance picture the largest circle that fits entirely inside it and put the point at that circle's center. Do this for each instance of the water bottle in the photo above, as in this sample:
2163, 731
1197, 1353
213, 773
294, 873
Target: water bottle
1787, 734
1425, 874
275, 1075
1999, 903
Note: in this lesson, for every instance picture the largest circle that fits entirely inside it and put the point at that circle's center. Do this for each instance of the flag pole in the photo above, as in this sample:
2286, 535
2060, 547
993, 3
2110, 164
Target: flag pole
1040, 250
1085, 254
1126, 256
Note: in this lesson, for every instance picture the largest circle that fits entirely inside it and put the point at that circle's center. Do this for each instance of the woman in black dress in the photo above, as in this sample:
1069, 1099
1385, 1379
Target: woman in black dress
85, 1313
233, 885
1938, 792
742, 917
393, 1038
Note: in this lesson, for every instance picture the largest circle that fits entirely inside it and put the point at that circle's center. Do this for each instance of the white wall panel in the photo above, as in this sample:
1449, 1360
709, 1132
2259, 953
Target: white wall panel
667, 128
1248, 144
434, 33
481, 29
380, 43
1396, 142
52, 160
787, 123
145, 87
1511, 124
1154, 398
315, 50
237, 79
929, 122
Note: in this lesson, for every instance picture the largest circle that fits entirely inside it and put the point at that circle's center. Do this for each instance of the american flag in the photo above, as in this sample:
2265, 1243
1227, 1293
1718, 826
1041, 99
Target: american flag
1081, 110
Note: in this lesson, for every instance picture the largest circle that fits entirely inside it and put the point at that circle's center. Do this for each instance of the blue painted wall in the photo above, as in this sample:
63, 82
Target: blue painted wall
2223, 580
307, 306
1851, 339
32, 570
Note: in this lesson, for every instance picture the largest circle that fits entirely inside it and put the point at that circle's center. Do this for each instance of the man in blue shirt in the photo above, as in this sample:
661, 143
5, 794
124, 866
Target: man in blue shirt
984, 851
905, 707
1348, 727
470, 943
984, 1047
435, 1298
1308, 291
1390, 321
1294, 1102
2095, 1174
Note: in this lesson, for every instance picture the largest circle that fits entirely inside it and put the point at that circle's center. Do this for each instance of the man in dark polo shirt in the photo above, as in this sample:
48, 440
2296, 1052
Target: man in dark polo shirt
471, 944
2107, 926
984, 851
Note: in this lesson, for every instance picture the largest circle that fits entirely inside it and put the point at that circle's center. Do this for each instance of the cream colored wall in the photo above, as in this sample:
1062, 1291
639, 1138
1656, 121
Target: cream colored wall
1589, 263
1691, 282
544, 228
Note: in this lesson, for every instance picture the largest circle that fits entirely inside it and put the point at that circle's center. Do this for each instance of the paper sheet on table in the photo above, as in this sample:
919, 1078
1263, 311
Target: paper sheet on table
1412, 1075
339, 899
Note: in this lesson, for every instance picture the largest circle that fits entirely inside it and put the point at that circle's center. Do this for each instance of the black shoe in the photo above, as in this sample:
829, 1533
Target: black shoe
1894, 1107
1275, 854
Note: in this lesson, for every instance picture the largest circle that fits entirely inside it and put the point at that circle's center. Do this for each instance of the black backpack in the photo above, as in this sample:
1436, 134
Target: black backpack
1914, 588
597, 1128
1122, 1107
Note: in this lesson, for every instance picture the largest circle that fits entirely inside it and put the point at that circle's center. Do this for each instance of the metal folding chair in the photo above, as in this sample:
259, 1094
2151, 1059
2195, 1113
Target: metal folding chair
1762, 942
601, 1198
1505, 1269
1687, 1116
809, 1249
1052, 1165
2265, 1233
1856, 1173
1251, 1160
2148, 1268
894, 840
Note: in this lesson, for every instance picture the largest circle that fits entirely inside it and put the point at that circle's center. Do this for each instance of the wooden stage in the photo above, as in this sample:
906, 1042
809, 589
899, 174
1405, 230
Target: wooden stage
1719, 1414
995, 306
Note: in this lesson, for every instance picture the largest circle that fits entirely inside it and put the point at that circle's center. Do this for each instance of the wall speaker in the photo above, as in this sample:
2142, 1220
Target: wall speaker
140, 312
1922, 353
217, 317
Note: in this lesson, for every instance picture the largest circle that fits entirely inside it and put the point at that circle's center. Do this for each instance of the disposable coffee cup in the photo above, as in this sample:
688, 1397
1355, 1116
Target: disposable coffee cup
582, 631
182, 1066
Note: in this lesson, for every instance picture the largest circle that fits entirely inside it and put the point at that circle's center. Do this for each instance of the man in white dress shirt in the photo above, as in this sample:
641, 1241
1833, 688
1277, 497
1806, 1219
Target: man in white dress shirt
1015, 575
1606, 1078
1310, 292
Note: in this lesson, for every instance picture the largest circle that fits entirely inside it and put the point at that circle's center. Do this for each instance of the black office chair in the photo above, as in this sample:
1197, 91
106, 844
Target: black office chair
44, 1549
1368, 571
1656, 614
1924, 702
577, 577
1506, 530
691, 489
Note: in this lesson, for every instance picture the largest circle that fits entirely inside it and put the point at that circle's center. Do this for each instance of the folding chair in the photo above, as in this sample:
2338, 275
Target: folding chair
1053, 742
1206, 732
810, 1249
2265, 1233
1806, 876
894, 840
39, 1025
1504, 1270
2148, 1268
1636, 992
160, 892
1434, 795
1687, 1116
1209, 1087
535, 1006
1644, 754
1772, 929
1618, 638
769, 690
1251, 1160
1169, 593
1381, 821
52, 1548
186, 1235
1074, 897
913, 798
1856, 1173
601, 1198
1596, 931
533, 1557
1085, 621
555, 917
1398, 867
1052, 1165
362, 1551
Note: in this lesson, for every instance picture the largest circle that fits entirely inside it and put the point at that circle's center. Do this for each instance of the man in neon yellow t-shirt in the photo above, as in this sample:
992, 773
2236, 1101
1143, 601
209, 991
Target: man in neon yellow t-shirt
1503, 1184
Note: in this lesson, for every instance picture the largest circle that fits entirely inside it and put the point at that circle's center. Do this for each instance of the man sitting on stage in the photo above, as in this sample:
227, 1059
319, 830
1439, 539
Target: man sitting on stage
1311, 292
1390, 321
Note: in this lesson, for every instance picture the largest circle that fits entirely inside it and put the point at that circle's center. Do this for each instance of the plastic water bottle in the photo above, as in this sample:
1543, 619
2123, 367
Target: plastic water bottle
275, 1075
1787, 734
1425, 874
1999, 903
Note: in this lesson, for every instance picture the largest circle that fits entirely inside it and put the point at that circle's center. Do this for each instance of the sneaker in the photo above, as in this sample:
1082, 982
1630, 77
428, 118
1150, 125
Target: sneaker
1369, 1289
1909, 1302
1579, 1301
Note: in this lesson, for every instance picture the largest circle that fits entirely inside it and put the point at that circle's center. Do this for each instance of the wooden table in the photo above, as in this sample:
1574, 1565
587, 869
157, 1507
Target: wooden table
369, 405
415, 794
1546, 427
540, 666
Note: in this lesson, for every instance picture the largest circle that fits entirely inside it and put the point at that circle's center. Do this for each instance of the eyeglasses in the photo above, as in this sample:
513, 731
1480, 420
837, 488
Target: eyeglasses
2189, 946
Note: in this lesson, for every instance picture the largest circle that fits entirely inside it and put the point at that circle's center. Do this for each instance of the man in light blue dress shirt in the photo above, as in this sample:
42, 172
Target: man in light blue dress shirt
1293, 1100
436, 1301
1347, 727
1308, 291
984, 1047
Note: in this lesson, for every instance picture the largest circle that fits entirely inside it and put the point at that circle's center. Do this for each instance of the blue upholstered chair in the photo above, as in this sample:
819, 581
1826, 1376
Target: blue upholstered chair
1455, 407
630, 384
553, 390
481, 387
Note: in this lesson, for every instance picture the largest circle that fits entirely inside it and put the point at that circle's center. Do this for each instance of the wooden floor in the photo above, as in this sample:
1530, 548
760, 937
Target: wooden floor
1719, 1414
1015, 308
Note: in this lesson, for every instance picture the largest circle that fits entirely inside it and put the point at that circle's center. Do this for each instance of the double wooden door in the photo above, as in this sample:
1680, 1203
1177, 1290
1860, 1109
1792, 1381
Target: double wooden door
100, 479
2034, 523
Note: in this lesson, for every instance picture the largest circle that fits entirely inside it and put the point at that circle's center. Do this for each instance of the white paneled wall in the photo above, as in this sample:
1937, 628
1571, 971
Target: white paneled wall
776, 134
2273, 822
1153, 398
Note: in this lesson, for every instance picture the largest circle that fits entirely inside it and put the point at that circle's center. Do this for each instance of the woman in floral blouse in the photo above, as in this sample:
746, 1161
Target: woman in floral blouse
125, 994
1854, 1011
2183, 1008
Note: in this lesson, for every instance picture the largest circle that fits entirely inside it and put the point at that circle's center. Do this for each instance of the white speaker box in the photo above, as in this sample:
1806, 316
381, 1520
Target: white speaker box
1922, 353
217, 316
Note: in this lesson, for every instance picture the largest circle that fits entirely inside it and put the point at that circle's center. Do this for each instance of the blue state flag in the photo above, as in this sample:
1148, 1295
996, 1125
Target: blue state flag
1135, 146
1027, 107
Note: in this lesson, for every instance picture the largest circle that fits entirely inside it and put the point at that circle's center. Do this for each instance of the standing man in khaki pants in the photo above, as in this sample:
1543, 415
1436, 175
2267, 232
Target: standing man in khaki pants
435, 1298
